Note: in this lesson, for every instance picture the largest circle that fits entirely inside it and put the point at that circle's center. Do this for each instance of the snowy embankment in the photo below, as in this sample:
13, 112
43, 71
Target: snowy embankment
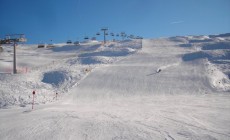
172, 88
57, 69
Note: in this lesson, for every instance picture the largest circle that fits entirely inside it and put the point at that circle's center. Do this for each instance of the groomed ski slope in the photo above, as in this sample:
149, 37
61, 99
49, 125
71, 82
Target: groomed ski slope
137, 74
130, 100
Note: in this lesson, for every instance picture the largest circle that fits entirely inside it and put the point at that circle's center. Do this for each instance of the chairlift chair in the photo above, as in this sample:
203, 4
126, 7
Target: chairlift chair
69, 42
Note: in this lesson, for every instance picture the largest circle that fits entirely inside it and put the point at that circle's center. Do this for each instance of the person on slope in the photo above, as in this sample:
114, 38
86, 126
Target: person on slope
158, 70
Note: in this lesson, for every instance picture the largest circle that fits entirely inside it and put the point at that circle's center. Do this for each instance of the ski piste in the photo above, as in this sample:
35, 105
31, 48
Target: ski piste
115, 92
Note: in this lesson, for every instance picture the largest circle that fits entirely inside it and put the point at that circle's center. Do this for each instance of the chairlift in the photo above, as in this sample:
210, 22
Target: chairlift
14, 38
69, 42
117, 35
97, 33
86, 38
112, 34
106, 34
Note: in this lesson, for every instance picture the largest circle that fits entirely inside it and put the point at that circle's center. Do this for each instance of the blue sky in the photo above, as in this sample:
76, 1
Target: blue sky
60, 20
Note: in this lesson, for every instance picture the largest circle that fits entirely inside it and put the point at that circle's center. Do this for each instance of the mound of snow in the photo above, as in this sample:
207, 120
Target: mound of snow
96, 60
213, 55
55, 78
217, 78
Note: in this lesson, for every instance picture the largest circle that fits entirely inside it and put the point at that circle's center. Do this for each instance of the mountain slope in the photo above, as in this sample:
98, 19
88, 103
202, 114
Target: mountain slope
169, 88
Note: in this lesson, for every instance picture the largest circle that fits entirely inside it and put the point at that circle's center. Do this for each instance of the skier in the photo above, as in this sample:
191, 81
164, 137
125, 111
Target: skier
158, 70
56, 95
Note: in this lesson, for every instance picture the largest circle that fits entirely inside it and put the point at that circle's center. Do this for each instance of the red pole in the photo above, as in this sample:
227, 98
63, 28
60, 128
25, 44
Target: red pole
33, 100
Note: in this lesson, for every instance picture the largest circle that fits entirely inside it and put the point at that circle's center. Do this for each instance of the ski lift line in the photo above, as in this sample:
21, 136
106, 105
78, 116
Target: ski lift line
105, 29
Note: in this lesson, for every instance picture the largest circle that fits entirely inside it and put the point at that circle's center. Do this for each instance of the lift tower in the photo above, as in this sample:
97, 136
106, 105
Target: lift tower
104, 30
14, 39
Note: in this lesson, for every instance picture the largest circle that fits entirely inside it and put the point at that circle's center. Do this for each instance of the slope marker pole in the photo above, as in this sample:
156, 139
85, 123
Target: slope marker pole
33, 100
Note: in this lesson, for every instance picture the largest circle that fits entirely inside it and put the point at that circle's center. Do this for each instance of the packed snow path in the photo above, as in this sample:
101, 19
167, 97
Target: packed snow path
130, 100
138, 74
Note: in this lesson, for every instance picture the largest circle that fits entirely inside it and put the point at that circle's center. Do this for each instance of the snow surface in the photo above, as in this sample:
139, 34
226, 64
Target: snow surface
117, 91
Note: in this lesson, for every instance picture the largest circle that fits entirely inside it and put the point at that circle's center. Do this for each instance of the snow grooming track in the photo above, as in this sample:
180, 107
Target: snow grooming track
129, 100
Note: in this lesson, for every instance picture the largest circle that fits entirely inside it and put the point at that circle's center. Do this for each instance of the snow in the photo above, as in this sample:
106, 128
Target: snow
51, 70
169, 88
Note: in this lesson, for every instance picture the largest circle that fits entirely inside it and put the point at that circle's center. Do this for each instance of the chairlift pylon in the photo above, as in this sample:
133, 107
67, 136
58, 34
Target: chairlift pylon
14, 39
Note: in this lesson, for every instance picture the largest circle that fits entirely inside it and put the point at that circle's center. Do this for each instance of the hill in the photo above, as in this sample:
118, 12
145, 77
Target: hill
168, 88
